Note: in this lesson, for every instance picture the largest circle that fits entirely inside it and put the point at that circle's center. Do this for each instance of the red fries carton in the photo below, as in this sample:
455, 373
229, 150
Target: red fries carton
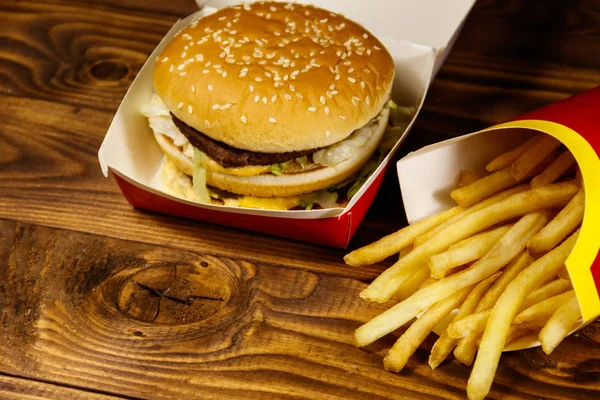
428, 175
417, 35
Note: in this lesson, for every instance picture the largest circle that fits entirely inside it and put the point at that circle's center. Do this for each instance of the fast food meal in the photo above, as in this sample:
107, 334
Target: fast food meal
497, 260
273, 105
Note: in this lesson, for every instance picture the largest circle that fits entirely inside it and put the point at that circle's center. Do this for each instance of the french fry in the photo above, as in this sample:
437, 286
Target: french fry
562, 225
510, 272
550, 289
516, 332
392, 244
467, 347
534, 156
506, 308
427, 282
483, 188
507, 248
405, 251
466, 177
475, 323
543, 197
555, 170
406, 345
544, 309
465, 251
506, 159
481, 205
413, 284
469, 325
444, 345
563, 273
560, 325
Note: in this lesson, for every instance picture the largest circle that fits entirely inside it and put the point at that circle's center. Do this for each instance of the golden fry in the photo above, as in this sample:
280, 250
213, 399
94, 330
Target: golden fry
506, 308
485, 203
550, 289
560, 227
506, 159
560, 325
483, 188
464, 252
444, 345
554, 170
406, 345
466, 177
534, 156
392, 244
544, 309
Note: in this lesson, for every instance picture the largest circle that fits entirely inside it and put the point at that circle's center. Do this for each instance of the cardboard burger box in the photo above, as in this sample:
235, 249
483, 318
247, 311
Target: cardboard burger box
418, 35
428, 175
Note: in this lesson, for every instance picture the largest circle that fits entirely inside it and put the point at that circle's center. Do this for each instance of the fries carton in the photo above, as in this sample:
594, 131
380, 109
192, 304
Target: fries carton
417, 34
427, 176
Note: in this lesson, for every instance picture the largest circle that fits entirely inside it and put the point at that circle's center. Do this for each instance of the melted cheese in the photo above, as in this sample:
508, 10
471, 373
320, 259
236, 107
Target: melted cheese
249, 170
264, 203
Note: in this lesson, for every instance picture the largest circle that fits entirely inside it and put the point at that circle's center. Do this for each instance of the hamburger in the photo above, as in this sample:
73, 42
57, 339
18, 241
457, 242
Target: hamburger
270, 105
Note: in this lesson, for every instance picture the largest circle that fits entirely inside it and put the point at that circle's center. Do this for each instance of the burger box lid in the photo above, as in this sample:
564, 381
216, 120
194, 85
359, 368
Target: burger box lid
428, 175
131, 154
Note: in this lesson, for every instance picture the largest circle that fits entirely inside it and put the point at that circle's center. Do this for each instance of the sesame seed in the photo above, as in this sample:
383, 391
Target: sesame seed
292, 88
273, 9
368, 100
256, 98
181, 66
312, 109
165, 59
224, 74
287, 96
264, 100
327, 133
365, 36
180, 106
251, 88
205, 71
258, 79
243, 72
326, 110
342, 117
190, 111
351, 79
244, 119
215, 106
299, 95
346, 63
334, 92
274, 99
322, 99
171, 68
332, 86
182, 73
207, 123
222, 18
377, 48
337, 77
350, 70
193, 89
225, 106
210, 88
272, 120
183, 54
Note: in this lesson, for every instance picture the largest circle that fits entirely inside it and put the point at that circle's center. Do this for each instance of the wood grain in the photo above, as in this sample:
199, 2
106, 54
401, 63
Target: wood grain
131, 311
12, 388
126, 318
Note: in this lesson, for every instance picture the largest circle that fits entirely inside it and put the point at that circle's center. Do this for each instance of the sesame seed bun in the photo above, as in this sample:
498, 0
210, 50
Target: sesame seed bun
274, 77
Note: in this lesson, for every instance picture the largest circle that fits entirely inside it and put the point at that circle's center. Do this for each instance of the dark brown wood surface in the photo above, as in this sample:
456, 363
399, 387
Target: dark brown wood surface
98, 300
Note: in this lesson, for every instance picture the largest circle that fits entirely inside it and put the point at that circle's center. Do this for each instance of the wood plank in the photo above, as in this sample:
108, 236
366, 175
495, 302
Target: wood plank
13, 388
147, 321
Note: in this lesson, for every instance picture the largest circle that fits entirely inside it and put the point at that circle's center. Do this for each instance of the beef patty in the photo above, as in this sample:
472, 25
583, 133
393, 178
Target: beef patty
230, 157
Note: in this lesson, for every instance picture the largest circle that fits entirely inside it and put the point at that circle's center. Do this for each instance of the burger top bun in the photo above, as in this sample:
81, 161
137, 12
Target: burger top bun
274, 77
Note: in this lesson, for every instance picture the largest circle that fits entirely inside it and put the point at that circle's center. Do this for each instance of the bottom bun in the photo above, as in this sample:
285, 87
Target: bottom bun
268, 185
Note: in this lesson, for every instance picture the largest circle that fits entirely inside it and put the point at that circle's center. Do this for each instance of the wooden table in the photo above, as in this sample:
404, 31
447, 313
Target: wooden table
83, 311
